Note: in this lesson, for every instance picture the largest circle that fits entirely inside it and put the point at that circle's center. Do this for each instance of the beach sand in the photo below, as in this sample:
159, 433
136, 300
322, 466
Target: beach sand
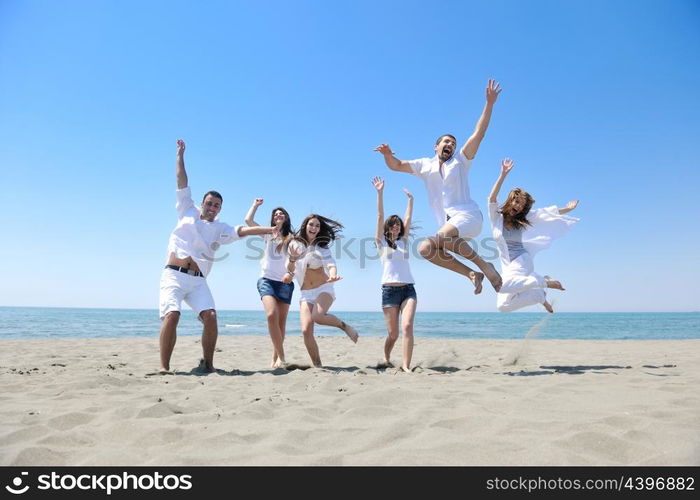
564, 402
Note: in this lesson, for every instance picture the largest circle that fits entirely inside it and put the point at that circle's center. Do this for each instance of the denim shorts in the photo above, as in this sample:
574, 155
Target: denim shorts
394, 296
279, 290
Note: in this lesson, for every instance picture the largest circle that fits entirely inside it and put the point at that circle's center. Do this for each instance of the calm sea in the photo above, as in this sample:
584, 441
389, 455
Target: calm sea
40, 322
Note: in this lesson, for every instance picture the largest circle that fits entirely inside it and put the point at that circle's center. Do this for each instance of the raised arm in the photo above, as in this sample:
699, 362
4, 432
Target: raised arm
569, 207
408, 215
251, 212
506, 166
392, 161
256, 230
378, 184
180, 172
469, 150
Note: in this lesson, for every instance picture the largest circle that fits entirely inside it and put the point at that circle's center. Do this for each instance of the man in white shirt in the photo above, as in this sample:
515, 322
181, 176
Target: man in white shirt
191, 250
458, 216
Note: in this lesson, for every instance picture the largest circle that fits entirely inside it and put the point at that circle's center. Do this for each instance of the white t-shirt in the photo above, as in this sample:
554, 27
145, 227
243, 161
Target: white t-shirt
273, 263
197, 238
395, 268
448, 194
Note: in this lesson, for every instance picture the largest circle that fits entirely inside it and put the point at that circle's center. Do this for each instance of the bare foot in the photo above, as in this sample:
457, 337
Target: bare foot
548, 306
204, 367
279, 364
477, 278
406, 369
553, 283
493, 276
350, 332
385, 364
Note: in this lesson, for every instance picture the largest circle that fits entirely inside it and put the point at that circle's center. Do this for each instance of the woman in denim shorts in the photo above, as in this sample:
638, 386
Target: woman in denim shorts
398, 294
276, 296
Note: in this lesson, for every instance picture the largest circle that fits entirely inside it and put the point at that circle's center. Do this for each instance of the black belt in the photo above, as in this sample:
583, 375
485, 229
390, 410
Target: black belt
191, 272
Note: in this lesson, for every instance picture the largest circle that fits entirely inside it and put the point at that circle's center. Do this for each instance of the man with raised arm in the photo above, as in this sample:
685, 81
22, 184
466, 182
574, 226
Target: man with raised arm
446, 177
191, 248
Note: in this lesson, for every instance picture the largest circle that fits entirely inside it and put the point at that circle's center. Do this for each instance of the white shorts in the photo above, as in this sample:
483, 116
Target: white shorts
311, 295
176, 287
468, 224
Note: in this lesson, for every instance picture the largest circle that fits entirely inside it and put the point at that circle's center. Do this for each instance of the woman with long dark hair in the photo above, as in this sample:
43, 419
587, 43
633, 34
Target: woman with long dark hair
520, 233
275, 294
310, 261
398, 294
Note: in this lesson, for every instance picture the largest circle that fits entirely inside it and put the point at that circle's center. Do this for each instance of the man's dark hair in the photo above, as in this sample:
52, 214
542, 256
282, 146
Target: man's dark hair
215, 194
445, 135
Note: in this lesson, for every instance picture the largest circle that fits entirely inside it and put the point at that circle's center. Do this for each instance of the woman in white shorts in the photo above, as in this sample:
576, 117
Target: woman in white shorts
311, 263
275, 295
520, 233
398, 294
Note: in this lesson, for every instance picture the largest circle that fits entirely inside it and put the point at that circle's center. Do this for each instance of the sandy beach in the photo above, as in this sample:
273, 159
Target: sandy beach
563, 402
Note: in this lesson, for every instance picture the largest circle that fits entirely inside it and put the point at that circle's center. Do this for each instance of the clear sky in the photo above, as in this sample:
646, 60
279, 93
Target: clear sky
286, 100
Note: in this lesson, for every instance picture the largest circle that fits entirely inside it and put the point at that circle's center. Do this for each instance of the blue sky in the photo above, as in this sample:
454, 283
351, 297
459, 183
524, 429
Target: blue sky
286, 100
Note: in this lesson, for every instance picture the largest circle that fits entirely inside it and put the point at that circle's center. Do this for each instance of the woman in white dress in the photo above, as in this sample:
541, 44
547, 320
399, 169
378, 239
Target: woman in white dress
275, 295
310, 261
398, 293
520, 233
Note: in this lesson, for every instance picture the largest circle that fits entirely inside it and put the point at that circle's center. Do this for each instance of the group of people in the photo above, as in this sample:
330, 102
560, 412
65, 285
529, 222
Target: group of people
304, 255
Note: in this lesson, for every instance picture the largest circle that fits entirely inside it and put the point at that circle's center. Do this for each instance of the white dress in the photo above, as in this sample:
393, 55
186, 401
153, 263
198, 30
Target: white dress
522, 286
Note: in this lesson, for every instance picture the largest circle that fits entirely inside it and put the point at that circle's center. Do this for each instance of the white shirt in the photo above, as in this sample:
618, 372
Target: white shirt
273, 263
546, 225
395, 268
312, 257
448, 194
197, 238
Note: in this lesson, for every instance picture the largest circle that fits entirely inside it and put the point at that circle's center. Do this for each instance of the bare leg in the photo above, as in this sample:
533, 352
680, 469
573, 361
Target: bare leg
408, 311
307, 330
431, 251
447, 238
168, 337
209, 335
320, 315
391, 315
272, 312
283, 312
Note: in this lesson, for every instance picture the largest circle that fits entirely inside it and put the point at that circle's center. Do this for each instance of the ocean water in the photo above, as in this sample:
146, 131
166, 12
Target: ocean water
41, 322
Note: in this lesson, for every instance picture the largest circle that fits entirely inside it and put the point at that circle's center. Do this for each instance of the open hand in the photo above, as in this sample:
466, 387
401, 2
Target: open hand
507, 165
493, 89
572, 204
378, 183
408, 193
384, 149
331, 279
294, 252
